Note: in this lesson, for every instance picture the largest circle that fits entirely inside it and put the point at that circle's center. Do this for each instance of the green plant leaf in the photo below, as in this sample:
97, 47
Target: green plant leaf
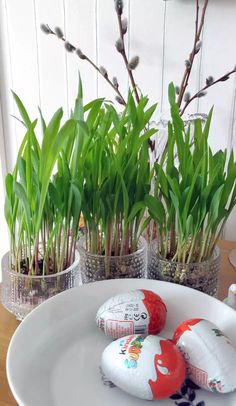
137, 207
59, 140
21, 194
50, 135
22, 110
155, 209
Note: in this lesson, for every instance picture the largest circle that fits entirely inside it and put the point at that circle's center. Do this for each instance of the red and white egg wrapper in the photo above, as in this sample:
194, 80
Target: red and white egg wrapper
137, 312
209, 354
149, 368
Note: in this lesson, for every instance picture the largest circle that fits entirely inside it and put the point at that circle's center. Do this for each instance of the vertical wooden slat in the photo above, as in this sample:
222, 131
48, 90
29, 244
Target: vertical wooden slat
22, 44
163, 57
52, 57
8, 135
36, 25
4, 246
80, 30
232, 124
218, 58
96, 39
108, 33
128, 16
147, 25
180, 29
66, 58
8, 146
200, 79
128, 38
230, 233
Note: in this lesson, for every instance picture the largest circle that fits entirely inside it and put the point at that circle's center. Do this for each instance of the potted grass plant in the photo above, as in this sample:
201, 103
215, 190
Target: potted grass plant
195, 192
116, 179
42, 210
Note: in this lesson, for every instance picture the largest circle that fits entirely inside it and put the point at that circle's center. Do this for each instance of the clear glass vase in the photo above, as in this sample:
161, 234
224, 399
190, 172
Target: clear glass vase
161, 136
22, 293
100, 267
202, 276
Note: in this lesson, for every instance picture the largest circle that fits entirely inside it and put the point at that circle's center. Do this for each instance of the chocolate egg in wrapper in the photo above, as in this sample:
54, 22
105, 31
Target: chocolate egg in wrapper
210, 356
136, 312
149, 368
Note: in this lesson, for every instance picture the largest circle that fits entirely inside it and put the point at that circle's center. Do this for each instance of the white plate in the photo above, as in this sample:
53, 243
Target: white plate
53, 358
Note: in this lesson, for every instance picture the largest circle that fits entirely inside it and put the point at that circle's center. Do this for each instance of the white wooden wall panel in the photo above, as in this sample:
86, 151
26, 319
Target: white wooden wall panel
52, 58
107, 34
23, 54
41, 72
218, 58
80, 28
4, 246
230, 232
147, 20
6, 83
180, 28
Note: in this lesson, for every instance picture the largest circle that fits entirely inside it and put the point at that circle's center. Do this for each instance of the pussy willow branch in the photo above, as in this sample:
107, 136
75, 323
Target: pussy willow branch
123, 53
197, 36
72, 48
198, 94
130, 73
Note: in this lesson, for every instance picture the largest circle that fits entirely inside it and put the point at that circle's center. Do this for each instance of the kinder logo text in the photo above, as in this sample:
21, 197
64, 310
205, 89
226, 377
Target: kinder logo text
124, 345
132, 348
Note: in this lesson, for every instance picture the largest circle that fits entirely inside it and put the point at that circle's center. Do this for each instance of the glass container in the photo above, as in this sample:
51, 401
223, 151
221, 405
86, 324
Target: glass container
22, 293
100, 267
202, 276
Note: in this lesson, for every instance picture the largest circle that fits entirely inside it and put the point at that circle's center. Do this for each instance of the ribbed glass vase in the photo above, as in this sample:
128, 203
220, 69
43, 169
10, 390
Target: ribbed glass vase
202, 276
100, 267
22, 293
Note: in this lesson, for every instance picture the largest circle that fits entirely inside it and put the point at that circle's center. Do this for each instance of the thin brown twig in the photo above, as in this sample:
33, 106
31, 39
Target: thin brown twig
197, 36
106, 77
85, 57
123, 53
221, 79
70, 47
190, 60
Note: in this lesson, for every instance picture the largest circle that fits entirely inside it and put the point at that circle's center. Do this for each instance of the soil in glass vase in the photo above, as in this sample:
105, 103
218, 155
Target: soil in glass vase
96, 267
202, 276
21, 293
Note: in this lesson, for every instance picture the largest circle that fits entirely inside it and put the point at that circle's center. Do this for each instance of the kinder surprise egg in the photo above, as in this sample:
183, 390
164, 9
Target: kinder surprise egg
210, 355
137, 312
148, 368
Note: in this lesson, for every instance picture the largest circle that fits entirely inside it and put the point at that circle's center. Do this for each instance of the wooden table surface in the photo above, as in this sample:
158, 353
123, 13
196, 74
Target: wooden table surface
8, 323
